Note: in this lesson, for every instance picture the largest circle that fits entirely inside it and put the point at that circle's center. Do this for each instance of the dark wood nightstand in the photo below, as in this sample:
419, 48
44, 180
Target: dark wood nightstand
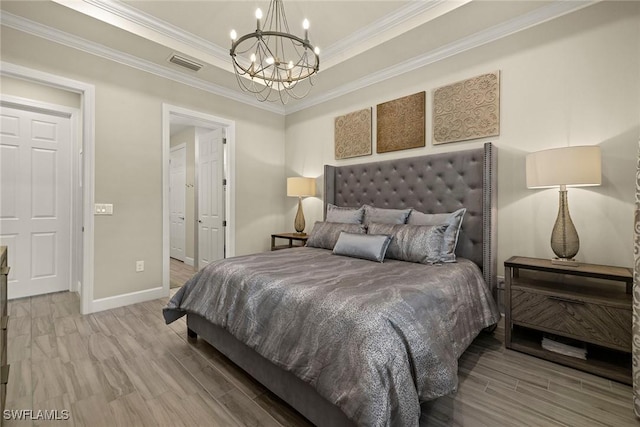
591, 304
288, 236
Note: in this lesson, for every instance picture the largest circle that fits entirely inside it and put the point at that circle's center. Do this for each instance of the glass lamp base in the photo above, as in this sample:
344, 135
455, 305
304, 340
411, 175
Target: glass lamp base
565, 261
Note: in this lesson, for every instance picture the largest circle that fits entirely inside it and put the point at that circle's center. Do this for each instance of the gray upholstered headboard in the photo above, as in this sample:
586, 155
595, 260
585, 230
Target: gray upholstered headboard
436, 183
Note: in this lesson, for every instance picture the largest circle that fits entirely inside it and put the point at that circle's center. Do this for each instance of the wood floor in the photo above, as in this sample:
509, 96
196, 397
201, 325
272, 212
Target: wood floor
126, 367
179, 273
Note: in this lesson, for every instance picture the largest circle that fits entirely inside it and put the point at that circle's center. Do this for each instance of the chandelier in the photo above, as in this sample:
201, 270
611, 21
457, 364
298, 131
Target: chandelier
272, 63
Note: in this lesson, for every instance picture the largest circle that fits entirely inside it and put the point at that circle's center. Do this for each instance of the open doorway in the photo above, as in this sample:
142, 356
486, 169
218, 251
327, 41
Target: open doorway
198, 153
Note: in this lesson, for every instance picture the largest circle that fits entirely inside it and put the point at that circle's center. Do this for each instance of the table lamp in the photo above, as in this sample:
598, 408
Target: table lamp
300, 187
569, 166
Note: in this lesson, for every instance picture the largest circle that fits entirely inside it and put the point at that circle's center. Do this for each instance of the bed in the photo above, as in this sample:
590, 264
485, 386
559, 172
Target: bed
362, 352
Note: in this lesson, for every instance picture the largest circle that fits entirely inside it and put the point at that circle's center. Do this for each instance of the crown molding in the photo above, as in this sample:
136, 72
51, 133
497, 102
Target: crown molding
164, 28
523, 22
37, 29
386, 28
131, 19
536, 17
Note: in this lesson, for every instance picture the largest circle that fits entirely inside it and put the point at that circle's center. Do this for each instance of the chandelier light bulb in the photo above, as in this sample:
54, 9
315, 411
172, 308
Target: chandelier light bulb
282, 64
317, 50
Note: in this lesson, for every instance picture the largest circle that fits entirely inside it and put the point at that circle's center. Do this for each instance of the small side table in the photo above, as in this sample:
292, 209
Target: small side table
291, 237
587, 303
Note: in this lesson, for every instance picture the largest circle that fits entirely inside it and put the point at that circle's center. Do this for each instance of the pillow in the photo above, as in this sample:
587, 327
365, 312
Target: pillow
344, 215
385, 216
325, 234
412, 243
453, 222
365, 246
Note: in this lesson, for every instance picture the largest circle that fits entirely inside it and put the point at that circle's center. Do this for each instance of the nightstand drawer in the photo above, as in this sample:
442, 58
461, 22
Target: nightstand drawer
595, 323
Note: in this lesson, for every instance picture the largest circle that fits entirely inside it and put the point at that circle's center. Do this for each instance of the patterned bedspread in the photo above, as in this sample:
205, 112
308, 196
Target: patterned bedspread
375, 339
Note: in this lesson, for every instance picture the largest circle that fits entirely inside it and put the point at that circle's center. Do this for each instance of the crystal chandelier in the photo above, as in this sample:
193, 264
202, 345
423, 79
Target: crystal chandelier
272, 63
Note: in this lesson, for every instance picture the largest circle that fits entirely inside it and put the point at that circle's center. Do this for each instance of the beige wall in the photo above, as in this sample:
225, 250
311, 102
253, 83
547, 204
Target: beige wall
188, 137
38, 92
128, 160
572, 81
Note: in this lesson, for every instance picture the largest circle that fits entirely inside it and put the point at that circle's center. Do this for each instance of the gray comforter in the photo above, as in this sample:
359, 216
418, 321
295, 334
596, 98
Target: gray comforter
375, 339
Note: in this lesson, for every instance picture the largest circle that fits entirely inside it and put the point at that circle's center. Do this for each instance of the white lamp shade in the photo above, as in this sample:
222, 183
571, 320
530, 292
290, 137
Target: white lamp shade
574, 166
301, 187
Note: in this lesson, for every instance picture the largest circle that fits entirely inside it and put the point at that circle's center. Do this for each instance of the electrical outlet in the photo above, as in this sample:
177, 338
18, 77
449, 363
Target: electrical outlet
139, 266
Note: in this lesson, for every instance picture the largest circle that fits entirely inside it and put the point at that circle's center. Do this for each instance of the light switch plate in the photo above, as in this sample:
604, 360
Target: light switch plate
103, 209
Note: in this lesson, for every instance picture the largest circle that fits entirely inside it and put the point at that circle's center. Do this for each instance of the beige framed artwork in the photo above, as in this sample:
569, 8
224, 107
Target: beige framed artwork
401, 123
352, 134
468, 109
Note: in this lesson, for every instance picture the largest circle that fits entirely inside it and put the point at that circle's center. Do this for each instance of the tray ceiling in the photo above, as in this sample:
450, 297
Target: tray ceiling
361, 42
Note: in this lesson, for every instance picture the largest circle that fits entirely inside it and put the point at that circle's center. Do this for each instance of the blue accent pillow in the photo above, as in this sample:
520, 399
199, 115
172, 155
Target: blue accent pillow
366, 246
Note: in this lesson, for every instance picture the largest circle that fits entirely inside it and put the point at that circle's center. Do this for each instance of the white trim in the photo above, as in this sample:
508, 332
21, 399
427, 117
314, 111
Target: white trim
392, 25
87, 94
128, 299
523, 22
140, 23
219, 56
398, 18
230, 195
36, 106
40, 30
189, 261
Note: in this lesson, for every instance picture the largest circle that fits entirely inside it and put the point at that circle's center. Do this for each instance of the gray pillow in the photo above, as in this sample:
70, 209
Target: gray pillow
344, 214
365, 246
325, 234
453, 222
385, 216
412, 243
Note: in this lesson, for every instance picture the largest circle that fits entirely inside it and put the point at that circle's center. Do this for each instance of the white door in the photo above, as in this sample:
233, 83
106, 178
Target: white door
210, 198
177, 200
35, 200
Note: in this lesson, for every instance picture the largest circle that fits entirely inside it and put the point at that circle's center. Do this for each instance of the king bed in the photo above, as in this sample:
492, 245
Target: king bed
352, 341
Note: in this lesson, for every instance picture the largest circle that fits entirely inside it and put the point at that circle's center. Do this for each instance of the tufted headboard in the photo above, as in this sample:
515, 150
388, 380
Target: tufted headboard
437, 183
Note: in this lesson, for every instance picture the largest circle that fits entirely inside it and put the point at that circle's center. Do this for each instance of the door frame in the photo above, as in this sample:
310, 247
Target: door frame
85, 132
204, 120
74, 256
182, 146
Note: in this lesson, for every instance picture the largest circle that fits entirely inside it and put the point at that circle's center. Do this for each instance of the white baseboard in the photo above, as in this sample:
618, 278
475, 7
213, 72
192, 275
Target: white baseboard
126, 299
189, 261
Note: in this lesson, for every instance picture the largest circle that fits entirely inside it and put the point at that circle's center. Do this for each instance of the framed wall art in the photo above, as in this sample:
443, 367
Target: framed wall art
467, 109
352, 134
401, 123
